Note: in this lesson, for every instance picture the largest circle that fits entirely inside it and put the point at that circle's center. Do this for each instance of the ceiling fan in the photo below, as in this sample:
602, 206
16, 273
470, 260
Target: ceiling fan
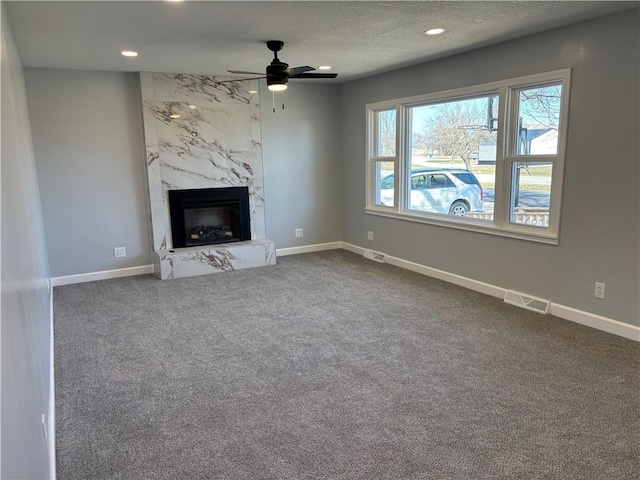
278, 73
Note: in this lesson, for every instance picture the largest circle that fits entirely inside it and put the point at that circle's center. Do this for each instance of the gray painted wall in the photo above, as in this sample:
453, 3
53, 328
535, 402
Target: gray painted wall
599, 233
302, 172
89, 149
26, 321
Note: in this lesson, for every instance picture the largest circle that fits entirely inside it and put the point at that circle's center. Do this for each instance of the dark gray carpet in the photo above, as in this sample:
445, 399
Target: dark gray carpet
329, 366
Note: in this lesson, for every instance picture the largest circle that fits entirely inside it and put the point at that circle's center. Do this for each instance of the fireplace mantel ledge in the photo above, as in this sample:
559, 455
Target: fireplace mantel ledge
221, 257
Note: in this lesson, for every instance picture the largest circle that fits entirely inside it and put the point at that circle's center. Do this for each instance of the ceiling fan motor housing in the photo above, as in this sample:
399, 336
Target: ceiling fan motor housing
276, 74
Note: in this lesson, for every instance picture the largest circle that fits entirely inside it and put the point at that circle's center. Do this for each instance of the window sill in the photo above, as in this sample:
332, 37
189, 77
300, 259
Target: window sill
463, 224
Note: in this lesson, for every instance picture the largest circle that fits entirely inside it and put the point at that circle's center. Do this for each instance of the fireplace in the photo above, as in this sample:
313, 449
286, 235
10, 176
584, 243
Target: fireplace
209, 216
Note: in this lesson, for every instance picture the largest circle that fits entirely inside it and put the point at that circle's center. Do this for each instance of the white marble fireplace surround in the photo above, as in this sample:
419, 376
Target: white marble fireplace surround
215, 142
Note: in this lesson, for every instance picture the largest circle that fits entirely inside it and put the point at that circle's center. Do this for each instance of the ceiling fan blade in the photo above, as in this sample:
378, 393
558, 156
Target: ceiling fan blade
314, 75
242, 72
298, 70
242, 79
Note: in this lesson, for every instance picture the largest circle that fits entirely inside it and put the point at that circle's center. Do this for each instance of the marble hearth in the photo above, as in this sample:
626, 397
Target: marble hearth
202, 134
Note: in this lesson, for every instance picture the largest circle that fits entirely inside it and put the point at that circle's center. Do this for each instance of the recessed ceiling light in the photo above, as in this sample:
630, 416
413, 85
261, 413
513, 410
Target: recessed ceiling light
174, 116
434, 31
129, 53
192, 107
324, 67
253, 91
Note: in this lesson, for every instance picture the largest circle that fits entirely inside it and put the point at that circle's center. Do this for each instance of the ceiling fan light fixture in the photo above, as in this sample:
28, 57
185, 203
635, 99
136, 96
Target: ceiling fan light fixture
277, 84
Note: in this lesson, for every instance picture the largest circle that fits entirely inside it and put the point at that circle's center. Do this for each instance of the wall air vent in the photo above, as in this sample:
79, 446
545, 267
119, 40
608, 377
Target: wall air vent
525, 301
375, 256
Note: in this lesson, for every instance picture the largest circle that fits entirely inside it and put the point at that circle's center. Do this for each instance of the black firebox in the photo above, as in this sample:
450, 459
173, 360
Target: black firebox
207, 216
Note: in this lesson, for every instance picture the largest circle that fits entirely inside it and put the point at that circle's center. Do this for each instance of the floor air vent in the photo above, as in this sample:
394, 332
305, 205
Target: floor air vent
375, 256
525, 301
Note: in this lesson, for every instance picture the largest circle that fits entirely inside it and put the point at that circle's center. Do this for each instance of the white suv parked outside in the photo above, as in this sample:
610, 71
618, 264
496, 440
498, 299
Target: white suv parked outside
446, 191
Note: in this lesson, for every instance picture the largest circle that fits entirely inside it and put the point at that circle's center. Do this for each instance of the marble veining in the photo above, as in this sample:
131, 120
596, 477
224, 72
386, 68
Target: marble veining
270, 253
185, 87
219, 259
152, 157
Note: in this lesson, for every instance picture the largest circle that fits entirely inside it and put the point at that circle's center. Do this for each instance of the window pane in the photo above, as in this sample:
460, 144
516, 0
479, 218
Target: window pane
539, 118
530, 198
386, 133
384, 187
453, 157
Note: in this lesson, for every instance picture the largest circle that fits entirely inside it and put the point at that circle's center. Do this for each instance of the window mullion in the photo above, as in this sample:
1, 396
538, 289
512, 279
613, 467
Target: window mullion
370, 165
404, 129
502, 182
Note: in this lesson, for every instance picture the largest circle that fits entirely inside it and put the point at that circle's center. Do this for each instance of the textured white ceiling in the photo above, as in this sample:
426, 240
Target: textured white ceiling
208, 37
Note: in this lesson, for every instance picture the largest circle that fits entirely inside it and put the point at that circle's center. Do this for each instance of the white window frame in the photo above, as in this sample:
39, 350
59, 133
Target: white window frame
373, 158
507, 91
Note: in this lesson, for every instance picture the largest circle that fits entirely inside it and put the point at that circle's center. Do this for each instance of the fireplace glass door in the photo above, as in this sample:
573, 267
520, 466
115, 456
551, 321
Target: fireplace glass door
209, 216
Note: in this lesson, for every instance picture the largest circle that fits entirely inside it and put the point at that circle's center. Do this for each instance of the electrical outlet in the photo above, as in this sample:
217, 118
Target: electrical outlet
119, 252
599, 290
370, 235
299, 232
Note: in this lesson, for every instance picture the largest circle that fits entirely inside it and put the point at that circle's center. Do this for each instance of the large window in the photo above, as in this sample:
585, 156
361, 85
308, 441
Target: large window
487, 158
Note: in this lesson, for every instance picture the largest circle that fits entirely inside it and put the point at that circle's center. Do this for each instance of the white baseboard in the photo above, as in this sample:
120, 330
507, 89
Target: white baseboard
466, 282
353, 248
605, 324
319, 247
596, 321
51, 414
104, 275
